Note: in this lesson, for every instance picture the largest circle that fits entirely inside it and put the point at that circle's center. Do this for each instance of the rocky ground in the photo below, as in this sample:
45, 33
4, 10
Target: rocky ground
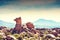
42, 34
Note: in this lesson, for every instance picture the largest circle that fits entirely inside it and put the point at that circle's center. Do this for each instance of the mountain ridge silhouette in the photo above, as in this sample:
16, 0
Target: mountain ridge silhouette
40, 23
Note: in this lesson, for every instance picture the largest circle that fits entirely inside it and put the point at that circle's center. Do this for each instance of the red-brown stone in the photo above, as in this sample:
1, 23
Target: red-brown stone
18, 20
18, 25
30, 25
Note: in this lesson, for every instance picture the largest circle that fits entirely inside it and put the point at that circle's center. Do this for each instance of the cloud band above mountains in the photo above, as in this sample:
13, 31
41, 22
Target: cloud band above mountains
28, 2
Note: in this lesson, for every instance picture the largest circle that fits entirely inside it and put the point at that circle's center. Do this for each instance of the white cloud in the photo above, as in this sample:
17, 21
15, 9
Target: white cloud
8, 13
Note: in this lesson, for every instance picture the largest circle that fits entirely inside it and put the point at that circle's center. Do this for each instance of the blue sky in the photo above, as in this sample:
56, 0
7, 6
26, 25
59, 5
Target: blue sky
29, 10
8, 2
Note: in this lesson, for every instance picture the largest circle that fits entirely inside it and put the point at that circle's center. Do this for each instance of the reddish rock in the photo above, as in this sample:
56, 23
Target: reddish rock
18, 23
18, 20
18, 27
30, 25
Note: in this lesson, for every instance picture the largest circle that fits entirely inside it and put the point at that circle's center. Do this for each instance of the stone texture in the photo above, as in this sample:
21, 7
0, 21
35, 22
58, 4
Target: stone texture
30, 25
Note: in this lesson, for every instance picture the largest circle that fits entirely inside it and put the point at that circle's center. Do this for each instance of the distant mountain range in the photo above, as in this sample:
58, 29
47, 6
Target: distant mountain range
7, 24
40, 23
